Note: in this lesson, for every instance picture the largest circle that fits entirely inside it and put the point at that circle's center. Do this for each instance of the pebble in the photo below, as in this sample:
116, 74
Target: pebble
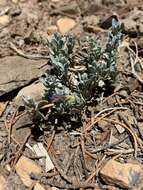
4, 20
65, 24
124, 175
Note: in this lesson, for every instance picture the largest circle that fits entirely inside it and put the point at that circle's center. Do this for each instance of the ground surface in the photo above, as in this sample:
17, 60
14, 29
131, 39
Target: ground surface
92, 156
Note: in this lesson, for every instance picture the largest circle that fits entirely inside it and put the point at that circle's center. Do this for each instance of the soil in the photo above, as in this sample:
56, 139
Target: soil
78, 152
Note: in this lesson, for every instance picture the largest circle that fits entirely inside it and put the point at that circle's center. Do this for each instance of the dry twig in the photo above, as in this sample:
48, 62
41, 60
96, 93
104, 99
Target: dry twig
128, 129
27, 56
18, 154
97, 119
134, 62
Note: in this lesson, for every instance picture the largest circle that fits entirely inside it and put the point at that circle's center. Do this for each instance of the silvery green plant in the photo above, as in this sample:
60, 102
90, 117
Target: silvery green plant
70, 89
101, 63
59, 89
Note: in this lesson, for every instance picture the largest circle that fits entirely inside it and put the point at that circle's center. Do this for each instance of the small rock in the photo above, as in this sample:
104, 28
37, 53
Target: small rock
3, 183
65, 24
124, 93
107, 23
4, 20
16, 71
38, 186
7, 167
3, 2
120, 129
90, 24
126, 175
114, 140
41, 151
133, 22
91, 20
24, 168
34, 90
55, 1
15, 1
52, 29
20, 128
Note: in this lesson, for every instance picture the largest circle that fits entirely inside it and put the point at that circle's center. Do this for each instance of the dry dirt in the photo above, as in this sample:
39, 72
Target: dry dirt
82, 156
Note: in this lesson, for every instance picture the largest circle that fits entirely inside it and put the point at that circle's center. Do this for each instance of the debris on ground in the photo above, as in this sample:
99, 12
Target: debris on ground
46, 143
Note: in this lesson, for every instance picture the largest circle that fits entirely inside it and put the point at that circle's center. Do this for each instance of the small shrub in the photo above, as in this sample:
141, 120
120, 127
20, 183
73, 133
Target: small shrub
70, 86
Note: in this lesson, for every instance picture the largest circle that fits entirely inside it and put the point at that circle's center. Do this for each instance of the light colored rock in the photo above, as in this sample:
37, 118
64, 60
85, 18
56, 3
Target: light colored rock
15, 1
91, 20
3, 2
53, 188
120, 129
126, 175
41, 151
52, 29
16, 71
24, 168
55, 1
8, 168
65, 24
3, 184
38, 186
4, 20
134, 22
34, 90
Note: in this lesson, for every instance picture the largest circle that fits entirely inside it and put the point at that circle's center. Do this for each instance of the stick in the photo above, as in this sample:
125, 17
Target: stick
27, 56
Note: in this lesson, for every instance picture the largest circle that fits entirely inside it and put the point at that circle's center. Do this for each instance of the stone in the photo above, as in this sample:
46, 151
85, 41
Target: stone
15, 1
24, 168
21, 127
125, 175
35, 91
16, 72
91, 20
134, 22
3, 2
4, 20
38, 186
3, 183
120, 128
65, 24
52, 29
41, 151
55, 1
